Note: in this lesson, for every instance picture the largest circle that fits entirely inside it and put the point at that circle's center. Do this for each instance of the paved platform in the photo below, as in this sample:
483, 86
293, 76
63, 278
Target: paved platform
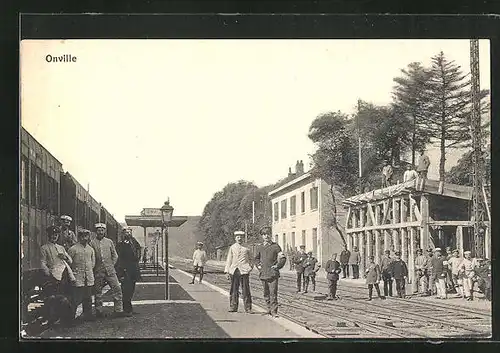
193, 311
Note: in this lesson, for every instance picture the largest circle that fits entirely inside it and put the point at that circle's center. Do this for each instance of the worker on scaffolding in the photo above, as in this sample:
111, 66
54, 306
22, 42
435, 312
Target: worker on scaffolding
422, 169
387, 173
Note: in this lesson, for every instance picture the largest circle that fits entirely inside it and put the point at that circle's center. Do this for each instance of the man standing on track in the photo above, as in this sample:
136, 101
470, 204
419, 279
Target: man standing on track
269, 259
400, 274
439, 273
298, 260
67, 238
354, 261
332, 274
238, 270
373, 277
344, 262
311, 266
421, 272
387, 273
104, 271
199, 260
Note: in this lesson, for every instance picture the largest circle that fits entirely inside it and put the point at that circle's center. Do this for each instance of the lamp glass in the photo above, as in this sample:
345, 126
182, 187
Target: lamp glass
166, 212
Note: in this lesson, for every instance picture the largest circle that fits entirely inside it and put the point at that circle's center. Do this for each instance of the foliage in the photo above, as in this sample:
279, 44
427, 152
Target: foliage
410, 100
462, 173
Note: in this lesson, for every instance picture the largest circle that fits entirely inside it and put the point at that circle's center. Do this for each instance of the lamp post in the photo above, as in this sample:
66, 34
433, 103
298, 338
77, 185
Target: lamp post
166, 216
156, 253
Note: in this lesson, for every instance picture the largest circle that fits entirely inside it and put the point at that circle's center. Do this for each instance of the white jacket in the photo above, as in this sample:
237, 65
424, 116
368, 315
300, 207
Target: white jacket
238, 257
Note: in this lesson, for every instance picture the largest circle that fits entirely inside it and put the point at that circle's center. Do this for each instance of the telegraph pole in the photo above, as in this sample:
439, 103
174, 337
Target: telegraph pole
359, 147
477, 177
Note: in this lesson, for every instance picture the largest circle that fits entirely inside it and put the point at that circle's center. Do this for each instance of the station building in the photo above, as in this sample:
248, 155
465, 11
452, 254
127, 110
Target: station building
301, 214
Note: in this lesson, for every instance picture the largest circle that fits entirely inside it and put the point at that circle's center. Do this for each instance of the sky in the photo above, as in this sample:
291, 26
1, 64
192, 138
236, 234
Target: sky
140, 121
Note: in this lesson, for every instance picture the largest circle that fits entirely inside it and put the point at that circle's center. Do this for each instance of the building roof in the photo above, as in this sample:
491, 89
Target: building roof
154, 221
430, 187
290, 183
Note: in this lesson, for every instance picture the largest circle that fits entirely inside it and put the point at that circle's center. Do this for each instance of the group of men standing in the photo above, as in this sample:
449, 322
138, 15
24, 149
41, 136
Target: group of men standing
410, 173
78, 267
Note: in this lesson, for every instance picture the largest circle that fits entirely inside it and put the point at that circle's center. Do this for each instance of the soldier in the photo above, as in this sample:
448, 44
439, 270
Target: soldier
199, 260
83, 263
421, 263
439, 273
54, 263
354, 261
373, 275
454, 266
67, 237
129, 254
298, 260
332, 274
311, 266
429, 273
467, 273
238, 268
344, 261
269, 259
387, 273
399, 273
104, 271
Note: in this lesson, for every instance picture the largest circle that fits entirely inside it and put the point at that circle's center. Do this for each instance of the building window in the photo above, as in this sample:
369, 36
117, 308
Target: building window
276, 238
284, 242
32, 184
293, 205
23, 180
303, 237
303, 202
38, 188
315, 242
314, 198
283, 209
276, 214
293, 240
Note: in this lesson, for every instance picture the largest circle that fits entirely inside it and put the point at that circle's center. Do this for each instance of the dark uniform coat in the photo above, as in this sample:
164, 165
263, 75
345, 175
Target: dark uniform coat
267, 256
309, 266
373, 273
298, 261
399, 269
332, 270
129, 254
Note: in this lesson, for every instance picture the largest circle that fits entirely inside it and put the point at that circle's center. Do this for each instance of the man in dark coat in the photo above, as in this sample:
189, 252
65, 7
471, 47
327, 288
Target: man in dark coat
344, 261
298, 260
269, 259
385, 267
332, 274
399, 273
127, 267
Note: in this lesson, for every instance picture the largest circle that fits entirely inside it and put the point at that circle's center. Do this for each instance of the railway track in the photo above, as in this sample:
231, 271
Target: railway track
353, 316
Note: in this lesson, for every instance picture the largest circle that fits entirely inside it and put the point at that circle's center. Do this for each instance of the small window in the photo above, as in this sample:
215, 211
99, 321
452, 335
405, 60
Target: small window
283, 209
303, 237
293, 205
276, 211
284, 242
314, 198
293, 240
38, 188
303, 202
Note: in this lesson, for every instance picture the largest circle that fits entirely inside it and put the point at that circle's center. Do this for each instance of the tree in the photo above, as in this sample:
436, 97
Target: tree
462, 172
449, 113
410, 99
335, 160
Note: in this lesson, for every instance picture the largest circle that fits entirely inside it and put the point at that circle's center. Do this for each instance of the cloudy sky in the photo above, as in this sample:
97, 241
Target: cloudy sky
143, 120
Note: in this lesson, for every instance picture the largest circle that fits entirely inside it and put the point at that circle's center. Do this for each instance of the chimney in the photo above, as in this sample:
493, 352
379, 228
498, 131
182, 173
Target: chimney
301, 167
297, 168
289, 171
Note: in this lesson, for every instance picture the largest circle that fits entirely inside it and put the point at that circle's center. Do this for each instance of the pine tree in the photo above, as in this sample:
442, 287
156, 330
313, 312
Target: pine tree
410, 100
448, 118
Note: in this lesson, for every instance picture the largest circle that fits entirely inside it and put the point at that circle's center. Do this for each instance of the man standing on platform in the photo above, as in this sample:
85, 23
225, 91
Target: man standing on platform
354, 261
269, 259
421, 263
400, 274
129, 254
238, 270
409, 173
422, 168
344, 262
104, 271
67, 238
298, 260
83, 263
199, 260
332, 274
387, 273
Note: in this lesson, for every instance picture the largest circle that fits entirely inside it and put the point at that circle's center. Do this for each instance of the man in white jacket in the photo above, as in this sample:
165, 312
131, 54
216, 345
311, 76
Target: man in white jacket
238, 268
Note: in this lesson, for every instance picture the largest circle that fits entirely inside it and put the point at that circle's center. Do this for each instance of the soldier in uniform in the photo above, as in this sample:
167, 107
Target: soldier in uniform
104, 271
373, 275
298, 260
67, 237
332, 274
421, 263
400, 274
311, 266
269, 259
387, 273
344, 261
129, 254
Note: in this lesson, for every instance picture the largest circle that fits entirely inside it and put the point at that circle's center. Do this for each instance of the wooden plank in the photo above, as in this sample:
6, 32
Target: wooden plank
411, 257
450, 223
370, 213
487, 243
424, 229
386, 211
376, 234
460, 240
384, 227
348, 218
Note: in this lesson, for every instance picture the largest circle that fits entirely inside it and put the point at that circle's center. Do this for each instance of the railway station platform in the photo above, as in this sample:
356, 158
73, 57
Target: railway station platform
194, 311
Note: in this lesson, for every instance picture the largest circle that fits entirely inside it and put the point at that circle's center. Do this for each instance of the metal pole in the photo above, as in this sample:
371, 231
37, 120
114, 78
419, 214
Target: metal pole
359, 147
167, 291
156, 256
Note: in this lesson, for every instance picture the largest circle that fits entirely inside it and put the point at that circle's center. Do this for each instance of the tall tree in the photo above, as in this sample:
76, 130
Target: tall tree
335, 160
449, 114
410, 99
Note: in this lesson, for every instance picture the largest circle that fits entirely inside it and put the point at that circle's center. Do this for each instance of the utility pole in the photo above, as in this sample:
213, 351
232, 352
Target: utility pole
477, 177
359, 147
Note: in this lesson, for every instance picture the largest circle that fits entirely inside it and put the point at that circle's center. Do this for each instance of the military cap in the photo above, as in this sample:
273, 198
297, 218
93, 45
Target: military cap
199, 243
437, 249
53, 229
397, 253
126, 228
387, 251
467, 252
302, 246
66, 218
371, 257
309, 252
419, 250
239, 232
100, 225
265, 230
83, 231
